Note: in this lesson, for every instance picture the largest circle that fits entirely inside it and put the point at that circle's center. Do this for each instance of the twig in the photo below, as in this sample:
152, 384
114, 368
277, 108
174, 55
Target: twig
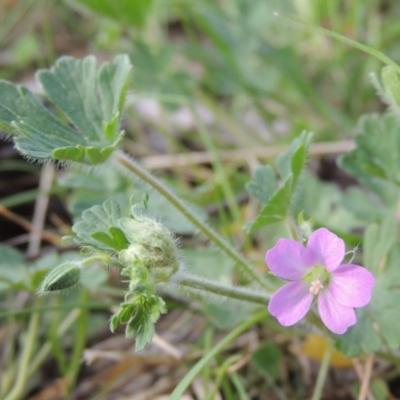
39, 214
202, 157
49, 237
360, 374
366, 378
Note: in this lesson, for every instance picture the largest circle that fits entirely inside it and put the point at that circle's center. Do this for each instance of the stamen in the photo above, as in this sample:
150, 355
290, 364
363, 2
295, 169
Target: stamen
316, 286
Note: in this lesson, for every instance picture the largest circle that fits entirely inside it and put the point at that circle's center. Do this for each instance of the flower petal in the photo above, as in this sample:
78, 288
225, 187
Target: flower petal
288, 259
335, 316
327, 248
291, 303
351, 285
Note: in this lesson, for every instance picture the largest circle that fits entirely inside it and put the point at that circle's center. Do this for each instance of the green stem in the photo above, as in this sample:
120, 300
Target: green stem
220, 374
80, 341
45, 350
102, 258
369, 50
59, 307
323, 372
195, 370
56, 344
237, 293
213, 236
221, 175
28, 347
291, 229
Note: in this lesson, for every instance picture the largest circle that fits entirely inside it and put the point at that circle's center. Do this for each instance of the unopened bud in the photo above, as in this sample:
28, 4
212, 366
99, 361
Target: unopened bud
305, 225
153, 244
62, 277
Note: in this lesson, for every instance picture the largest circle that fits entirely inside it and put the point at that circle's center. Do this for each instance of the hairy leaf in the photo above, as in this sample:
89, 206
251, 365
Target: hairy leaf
290, 166
377, 154
378, 323
99, 227
263, 184
91, 98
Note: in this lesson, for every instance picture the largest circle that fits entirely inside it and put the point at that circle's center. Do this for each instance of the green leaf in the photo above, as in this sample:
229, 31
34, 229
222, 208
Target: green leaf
90, 97
363, 205
156, 73
141, 328
359, 338
292, 161
99, 227
267, 359
263, 184
141, 325
290, 166
114, 322
326, 207
378, 150
378, 323
116, 238
378, 240
126, 312
124, 12
386, 298
12, 271
391, 85
104, 183
140, 312
276, 209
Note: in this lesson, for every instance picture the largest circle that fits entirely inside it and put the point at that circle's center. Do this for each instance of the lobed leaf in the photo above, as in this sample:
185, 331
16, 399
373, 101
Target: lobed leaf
391, 87
377, 154
99, 227
263, 184
91, 98
378, 323
360, 338
141, 328
278, 204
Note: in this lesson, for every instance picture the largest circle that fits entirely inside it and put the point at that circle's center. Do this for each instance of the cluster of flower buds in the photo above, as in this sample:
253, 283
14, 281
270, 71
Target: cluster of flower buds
151, 243
149, 256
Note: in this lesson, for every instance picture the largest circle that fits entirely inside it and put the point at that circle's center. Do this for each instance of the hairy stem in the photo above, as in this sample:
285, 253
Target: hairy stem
213, 236
237, 293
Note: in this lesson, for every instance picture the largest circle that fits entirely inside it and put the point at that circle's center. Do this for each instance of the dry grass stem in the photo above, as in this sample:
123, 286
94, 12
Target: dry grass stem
183, 160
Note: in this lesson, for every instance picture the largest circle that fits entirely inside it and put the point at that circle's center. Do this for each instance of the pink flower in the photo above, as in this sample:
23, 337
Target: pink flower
315, 270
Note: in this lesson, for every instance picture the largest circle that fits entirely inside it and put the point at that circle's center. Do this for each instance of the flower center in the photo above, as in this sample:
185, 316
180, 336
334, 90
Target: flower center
316, 286
317, 278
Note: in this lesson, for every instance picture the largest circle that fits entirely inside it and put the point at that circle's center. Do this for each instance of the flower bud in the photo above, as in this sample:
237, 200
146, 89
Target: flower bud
305, 225
151, 243
61, 277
